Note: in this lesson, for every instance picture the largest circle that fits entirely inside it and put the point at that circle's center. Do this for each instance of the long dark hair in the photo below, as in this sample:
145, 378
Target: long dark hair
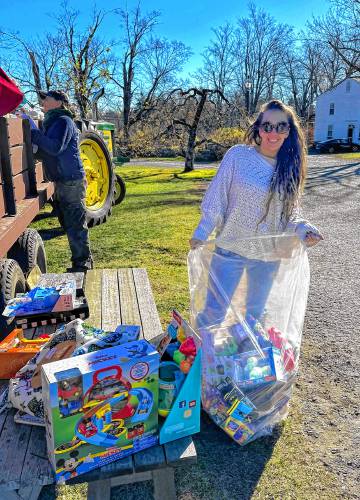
290, 170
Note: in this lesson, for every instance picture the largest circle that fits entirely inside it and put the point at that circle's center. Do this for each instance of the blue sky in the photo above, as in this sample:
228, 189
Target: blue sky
187, 20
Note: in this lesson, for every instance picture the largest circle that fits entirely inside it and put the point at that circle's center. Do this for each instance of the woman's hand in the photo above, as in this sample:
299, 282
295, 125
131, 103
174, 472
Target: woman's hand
309, 234
194, 243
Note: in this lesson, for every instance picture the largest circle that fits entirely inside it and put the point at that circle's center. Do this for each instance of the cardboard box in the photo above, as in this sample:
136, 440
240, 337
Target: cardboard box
184, 416
100, 407
251, 369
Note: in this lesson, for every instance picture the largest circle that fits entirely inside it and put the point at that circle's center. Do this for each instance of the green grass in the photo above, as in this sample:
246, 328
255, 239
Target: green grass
350, 156
151, 229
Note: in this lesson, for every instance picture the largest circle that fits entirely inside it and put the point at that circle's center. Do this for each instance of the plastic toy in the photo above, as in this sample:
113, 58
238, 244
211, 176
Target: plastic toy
106, 402
170, 381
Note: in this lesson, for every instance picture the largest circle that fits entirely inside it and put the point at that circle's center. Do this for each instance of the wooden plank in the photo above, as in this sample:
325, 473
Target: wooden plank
164, 484
6, 494
149, 316
39, 173
124, 466
18, 159
30, 162
14, 443
131, 478
15, 131
6, 170
110, 304
128, 301
149, 459
180, 452
2, 204
99, 490
30, 492
21, 185
36, 469
93, 295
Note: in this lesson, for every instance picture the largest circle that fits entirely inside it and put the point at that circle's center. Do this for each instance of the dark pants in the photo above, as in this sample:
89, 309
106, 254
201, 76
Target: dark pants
69, 200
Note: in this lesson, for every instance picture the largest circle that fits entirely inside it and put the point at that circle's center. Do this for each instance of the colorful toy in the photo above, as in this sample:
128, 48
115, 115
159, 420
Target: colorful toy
170, 381
102, 404
253, 368
179, 382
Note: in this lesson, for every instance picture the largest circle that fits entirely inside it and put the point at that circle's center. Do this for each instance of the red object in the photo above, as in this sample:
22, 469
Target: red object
87, 430
289, 359
10, 95
126, 412
276, 338
188, 347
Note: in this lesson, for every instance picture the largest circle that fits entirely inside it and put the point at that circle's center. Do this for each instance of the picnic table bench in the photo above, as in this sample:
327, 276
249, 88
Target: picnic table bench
115, 296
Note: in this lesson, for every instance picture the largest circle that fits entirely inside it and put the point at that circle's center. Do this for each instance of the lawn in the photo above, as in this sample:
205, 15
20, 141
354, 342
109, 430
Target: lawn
151, 229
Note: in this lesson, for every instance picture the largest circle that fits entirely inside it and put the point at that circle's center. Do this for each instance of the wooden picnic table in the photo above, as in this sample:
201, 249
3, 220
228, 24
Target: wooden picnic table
115, 296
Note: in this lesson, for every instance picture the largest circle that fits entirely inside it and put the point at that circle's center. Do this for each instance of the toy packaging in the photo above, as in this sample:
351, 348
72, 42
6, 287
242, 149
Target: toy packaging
100, 407
248, 301
179, 380
43, 300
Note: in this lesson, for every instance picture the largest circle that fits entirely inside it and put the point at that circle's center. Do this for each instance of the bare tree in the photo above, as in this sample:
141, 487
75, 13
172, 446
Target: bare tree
188, 109
34, 64
87, 56
340, 28
261, 41
219, 64
136, 28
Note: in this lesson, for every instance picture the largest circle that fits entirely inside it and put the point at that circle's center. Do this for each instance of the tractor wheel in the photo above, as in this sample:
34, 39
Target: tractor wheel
119, 189
29, 251
99, 176
12, 281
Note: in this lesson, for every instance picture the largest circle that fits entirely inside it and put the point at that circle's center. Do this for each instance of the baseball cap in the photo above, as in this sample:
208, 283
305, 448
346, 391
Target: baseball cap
59, 95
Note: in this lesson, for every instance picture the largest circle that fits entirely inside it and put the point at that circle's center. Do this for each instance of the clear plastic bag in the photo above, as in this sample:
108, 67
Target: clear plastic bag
249, 309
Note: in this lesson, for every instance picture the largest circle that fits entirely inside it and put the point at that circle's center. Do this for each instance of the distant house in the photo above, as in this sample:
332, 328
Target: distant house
337, 113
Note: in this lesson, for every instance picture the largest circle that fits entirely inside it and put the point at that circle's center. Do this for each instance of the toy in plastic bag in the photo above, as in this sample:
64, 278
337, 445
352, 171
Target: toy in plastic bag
249, 309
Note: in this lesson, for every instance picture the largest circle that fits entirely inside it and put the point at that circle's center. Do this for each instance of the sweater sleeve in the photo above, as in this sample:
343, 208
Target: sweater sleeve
295, 219
215, 202
56, 141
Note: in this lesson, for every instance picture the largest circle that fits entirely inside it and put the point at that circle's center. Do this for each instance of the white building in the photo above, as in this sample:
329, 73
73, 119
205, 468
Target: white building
337, 113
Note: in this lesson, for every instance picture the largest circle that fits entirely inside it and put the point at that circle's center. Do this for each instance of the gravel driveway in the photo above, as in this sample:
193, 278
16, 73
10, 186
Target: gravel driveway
329, 381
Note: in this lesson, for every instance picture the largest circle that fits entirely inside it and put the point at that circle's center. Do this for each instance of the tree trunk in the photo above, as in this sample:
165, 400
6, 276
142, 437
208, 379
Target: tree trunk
189, 155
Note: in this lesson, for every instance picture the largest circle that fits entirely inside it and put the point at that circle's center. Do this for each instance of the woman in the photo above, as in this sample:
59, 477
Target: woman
59, 150
256, 191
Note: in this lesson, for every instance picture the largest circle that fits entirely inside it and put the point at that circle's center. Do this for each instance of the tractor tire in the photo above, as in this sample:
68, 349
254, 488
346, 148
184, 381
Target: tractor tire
100, 177
120, 190
12, 281
29, 251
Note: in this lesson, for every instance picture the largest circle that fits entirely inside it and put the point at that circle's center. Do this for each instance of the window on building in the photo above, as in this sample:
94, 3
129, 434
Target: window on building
330, 132
348, 82
332, 109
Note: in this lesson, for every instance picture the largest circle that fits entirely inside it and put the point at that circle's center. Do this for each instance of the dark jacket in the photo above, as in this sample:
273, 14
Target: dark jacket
59, 150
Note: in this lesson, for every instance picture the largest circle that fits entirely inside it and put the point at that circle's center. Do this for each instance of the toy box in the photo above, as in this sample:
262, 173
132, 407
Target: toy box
43, 300
179, 381
100, 407
252, 368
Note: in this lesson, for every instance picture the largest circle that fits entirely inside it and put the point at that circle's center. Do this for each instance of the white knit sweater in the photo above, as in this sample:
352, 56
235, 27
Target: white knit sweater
236, 198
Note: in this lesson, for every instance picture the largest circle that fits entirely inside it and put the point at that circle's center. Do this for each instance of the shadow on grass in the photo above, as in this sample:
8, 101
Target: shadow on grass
224, 470
49, 234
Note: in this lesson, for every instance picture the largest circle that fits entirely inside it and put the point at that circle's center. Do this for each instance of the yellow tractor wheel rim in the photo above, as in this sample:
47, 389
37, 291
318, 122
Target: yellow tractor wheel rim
97, 174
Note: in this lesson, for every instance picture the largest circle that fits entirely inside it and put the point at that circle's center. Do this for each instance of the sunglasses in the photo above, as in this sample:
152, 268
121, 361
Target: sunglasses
281, 127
